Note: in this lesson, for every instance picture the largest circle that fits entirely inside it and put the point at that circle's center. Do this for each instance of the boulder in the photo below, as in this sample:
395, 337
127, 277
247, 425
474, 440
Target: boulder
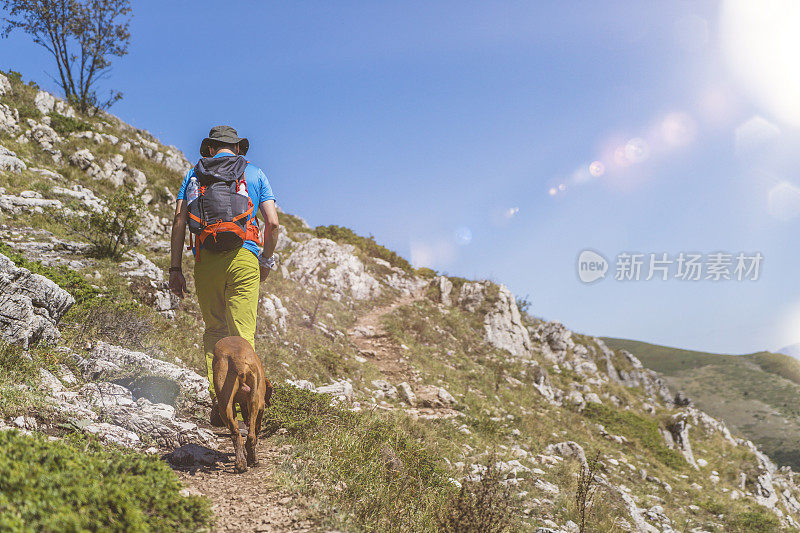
443, 287
503, 327
677, 437
44, 102
5, 85
407, 394
10, 162
107, 360
194, 455
274, 310
434, 397
45, 136
340, 390
30, 306
322, 263
567, 449
9, 119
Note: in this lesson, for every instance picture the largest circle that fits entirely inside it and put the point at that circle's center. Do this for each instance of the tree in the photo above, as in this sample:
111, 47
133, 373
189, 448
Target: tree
82, 36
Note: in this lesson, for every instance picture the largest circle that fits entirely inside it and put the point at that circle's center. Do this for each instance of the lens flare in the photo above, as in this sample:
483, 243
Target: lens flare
597, 169
783, 201
552, 191
463, 235
511, 212
637, 150
678, 129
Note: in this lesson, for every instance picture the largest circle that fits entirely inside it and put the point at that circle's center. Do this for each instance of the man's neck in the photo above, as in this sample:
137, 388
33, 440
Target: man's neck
224, 151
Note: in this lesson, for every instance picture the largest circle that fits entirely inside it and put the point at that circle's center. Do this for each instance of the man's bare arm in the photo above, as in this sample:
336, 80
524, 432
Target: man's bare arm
270, 214
177, 283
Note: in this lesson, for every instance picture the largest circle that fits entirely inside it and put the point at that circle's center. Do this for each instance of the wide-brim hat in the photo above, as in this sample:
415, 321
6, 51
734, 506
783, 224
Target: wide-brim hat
225, 134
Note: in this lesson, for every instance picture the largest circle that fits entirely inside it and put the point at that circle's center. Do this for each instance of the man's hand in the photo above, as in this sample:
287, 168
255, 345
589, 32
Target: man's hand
177, 283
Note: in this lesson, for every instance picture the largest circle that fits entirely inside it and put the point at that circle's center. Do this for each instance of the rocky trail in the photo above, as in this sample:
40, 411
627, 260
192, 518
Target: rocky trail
248, 501
374, 343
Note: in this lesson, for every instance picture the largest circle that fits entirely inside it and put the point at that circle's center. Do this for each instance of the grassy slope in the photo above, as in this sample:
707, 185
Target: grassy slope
756, 394
346, 461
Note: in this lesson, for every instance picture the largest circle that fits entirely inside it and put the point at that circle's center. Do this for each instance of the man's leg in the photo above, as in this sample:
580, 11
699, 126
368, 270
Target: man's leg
210, 281
241, 294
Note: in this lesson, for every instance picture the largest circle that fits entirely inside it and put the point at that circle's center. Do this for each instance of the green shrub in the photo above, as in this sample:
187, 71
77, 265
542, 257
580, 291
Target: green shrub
755, 522
484, 505
78, 485
299, 411
66, 125
635, 427
379, 472
112, 231
64, 277
365, 244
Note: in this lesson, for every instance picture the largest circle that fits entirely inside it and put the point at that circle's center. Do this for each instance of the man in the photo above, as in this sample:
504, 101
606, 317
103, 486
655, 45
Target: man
226, 275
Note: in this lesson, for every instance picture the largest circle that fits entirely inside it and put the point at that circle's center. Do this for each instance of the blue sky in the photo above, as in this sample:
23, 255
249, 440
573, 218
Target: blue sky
444, 128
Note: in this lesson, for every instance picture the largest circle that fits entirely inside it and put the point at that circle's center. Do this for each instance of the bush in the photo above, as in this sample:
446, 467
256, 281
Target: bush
66, 125
481, 506
112, 231
755, 522
121, 322
365, 244
638, 427
79, 485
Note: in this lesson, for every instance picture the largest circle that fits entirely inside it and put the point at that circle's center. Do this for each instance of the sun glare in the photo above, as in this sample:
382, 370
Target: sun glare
761, 41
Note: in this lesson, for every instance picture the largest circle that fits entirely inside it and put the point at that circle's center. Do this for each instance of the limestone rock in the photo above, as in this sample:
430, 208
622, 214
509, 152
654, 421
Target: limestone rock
322, 263
444, 287
5, 85
407, 394
567, 449
106, 360
9, 119
340, 390
45, 136
274, 310
503, 327
82, 194
44, 102
30, 306
434, 397
10, 162
677, 436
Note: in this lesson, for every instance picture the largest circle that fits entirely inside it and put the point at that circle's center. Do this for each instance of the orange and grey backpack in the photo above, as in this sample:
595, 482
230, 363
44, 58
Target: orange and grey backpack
220, 209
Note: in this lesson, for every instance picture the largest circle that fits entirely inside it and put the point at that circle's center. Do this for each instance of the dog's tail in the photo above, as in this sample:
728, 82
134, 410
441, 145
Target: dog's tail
242, 384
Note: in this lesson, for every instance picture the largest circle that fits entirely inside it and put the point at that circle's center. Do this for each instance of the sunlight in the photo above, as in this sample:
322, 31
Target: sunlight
760, 41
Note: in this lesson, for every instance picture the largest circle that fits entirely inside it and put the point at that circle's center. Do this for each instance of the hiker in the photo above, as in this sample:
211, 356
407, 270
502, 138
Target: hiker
219, 200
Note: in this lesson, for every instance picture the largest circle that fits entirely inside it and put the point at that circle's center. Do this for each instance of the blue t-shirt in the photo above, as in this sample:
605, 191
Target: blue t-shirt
258, 189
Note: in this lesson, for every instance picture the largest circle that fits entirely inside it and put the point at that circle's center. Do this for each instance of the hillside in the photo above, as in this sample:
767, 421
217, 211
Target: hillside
757, 395
405, 400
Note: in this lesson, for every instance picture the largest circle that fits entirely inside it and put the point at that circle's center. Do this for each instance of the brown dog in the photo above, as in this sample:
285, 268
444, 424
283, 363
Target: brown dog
239, 380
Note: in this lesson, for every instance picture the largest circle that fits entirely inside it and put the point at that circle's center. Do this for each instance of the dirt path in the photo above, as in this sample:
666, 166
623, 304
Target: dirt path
374, 343
249, 501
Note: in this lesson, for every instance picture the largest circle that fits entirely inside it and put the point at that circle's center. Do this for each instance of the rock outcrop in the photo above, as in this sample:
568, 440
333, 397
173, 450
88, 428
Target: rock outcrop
324, 264
107, 361
30, 306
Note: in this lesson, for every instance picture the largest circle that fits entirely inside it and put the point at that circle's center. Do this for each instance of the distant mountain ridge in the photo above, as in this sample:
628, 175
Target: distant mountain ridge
756, 394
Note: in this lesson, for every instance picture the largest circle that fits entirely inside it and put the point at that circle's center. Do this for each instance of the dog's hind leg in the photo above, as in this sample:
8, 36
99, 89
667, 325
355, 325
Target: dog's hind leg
254, 422
233, 426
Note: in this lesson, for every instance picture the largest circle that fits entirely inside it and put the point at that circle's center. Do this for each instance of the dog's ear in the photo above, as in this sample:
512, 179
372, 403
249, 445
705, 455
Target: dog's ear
268, 392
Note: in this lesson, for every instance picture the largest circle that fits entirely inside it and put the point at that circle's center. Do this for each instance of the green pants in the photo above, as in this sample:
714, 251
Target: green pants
227, 291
